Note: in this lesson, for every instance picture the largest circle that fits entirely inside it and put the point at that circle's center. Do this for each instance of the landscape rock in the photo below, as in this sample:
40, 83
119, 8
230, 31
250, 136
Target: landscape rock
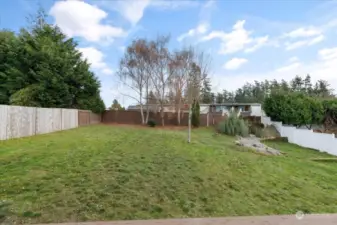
255, 144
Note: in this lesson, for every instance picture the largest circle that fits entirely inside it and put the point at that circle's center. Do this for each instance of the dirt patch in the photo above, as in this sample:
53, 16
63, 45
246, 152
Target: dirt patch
147, 127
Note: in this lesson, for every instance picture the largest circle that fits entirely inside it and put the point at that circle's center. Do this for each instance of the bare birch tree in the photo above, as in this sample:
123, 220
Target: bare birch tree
159, 60
181, 68
133, 73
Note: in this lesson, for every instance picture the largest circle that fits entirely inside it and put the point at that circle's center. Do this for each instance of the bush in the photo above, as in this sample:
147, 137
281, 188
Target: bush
294, 109
195, 120
151, 123
234, 125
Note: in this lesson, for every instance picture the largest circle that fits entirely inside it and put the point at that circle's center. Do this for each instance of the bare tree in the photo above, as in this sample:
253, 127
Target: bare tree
199, 71
133, 72
159, 60
180, 67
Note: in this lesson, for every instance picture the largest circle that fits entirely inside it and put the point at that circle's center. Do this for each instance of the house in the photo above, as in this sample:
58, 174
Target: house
244, 109
156, 108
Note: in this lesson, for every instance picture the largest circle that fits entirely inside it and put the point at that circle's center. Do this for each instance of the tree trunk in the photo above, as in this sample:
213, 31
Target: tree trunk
189, 123
147, 115
162, 116
142, 113
147, 102
178, 115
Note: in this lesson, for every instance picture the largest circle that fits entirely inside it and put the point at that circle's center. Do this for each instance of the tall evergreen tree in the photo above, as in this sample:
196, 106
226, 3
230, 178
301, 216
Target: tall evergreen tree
206, 92
48, 70
195, 120
219, 98
308, 85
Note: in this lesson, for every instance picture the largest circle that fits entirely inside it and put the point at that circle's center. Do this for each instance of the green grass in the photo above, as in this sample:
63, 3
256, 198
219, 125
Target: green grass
117, 173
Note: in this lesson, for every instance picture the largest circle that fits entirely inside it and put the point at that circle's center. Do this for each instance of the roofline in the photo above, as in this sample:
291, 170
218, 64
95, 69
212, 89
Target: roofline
204, 104
235, 103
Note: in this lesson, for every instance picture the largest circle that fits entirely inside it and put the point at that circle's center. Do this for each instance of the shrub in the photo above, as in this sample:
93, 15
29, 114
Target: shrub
151, 123
195, 120
234, 125
294, 108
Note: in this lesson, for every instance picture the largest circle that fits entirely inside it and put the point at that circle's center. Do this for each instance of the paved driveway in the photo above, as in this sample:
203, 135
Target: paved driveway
324, 219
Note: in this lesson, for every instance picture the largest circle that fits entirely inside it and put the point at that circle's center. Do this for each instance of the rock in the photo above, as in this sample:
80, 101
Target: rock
254, 143
238, 143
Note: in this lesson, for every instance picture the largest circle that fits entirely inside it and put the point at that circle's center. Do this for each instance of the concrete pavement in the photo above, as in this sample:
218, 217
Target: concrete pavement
313, 219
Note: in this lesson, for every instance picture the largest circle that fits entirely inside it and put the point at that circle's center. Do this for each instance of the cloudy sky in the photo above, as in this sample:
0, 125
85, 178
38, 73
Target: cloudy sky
247, 39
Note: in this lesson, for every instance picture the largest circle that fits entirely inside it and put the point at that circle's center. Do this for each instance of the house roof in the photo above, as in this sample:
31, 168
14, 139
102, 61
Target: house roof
202, 104
233, 104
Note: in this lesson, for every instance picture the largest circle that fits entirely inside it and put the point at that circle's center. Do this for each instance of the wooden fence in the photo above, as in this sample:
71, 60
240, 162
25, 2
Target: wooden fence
86, 117
134, 117
170, 119
19, 121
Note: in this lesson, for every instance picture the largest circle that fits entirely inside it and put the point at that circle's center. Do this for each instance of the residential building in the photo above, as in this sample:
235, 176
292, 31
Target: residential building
244, 109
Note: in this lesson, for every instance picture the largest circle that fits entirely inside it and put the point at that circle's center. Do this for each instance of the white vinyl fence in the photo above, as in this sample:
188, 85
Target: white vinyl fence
18, 121
305, 138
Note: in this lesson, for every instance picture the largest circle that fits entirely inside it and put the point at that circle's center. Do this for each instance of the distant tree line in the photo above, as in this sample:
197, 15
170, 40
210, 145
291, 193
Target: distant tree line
257, 91
41, 67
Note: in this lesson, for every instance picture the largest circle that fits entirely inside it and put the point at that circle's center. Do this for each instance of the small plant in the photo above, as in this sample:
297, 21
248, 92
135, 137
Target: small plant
234, 125
151, 123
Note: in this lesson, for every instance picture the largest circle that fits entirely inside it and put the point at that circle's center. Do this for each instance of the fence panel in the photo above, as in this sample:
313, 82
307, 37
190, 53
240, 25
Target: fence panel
69, 118
83, 117
95, 118
56, 120
19, 121
44, 120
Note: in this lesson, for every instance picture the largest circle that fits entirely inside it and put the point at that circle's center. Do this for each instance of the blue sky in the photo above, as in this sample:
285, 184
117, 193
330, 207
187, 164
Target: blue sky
248, 40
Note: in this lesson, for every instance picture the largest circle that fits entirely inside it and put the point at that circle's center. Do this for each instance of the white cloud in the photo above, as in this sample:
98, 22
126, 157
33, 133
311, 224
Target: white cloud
200, 29
303, 32
235, 63
203, 26
293, 59
80, 19
133, 10
306, 42
288, 67
237, 40
328, 54
259, 43
293, 63
173, 4
303, 36
107, 71
96, 59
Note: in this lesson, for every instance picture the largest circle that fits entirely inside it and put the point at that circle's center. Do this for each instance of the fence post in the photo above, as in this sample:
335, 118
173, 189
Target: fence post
35, 130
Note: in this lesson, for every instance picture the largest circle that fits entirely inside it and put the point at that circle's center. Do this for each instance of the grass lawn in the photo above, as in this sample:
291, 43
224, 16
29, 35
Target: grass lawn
118, 173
